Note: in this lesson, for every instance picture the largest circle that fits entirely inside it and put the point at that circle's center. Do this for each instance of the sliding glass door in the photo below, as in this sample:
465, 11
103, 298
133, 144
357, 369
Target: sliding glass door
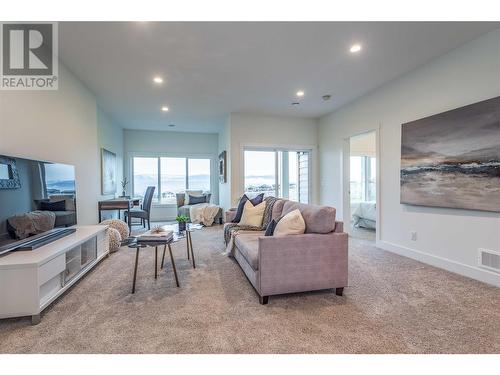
277, 172
260, 172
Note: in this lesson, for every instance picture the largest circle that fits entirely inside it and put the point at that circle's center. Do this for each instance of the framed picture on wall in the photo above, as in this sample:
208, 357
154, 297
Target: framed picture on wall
108, 172
222, 167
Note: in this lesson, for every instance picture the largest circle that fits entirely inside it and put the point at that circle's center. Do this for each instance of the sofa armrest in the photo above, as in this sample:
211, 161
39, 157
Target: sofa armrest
302, 262
229, 216
339, 226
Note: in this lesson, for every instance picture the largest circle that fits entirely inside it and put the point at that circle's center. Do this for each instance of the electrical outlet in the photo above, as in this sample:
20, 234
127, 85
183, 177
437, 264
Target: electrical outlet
413, 235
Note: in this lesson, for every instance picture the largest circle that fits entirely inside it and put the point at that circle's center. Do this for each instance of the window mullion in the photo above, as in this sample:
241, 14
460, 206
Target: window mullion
159, 179
186, 162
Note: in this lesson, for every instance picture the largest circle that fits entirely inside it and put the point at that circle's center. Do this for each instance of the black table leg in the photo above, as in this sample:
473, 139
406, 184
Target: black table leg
173, 265
135, 268
187, 242
163, 257
191, 246
156, 262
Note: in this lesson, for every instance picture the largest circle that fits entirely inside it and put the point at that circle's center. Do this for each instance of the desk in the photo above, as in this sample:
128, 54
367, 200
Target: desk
118, 204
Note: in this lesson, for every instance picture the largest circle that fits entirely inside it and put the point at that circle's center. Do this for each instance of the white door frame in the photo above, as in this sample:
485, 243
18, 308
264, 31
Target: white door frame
346, 167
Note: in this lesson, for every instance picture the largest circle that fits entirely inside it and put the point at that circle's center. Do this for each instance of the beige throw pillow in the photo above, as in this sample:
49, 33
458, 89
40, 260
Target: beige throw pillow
291, 223
252, 215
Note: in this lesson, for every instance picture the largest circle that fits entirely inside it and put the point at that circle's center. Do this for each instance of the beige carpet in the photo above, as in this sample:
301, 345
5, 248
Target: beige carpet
393, 305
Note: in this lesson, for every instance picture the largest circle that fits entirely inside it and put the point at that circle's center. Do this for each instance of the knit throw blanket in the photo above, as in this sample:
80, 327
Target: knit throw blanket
231, 230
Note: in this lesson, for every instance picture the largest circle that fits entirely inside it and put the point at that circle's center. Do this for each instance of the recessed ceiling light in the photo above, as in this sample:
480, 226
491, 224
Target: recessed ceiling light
355, 48
158, 80
326, 97
295, 103
171, 125
300, 93
164, 108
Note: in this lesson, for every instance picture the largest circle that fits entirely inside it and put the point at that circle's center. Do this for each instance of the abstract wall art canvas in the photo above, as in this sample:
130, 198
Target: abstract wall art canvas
453, 159
108, 170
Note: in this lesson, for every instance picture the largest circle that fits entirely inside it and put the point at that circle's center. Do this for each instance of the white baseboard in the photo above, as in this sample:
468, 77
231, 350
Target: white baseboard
450, 265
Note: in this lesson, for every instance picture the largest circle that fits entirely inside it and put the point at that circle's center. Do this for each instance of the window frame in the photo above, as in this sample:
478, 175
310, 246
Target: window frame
276, 150
159, 155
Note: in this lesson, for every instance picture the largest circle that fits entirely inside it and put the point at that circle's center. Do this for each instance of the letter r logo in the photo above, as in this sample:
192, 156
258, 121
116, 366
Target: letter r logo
27, 49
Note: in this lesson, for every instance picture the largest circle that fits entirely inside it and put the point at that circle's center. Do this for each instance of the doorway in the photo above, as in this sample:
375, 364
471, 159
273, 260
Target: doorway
363, 185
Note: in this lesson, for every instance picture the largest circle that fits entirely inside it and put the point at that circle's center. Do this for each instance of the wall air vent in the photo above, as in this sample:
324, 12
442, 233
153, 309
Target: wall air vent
489, 259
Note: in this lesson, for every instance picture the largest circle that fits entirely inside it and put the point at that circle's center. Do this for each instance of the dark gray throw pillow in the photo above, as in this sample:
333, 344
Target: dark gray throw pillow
53, 206
196, 200
255, 201
270, 227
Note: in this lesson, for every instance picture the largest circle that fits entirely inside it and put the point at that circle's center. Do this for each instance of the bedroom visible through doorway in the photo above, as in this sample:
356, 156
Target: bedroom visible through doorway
363, 184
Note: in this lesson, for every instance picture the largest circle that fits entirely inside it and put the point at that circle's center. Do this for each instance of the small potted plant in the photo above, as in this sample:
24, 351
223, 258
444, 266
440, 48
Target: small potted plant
124, 186
182, 220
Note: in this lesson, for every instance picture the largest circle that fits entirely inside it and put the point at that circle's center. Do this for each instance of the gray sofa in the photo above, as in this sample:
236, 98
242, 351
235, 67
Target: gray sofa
183, 209
314, 260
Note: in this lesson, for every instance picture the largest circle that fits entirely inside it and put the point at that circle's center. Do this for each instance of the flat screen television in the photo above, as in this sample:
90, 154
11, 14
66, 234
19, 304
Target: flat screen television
37, 202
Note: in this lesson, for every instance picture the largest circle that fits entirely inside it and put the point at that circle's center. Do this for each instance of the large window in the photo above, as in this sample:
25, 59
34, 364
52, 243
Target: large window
363, 178
170, 175
279, 173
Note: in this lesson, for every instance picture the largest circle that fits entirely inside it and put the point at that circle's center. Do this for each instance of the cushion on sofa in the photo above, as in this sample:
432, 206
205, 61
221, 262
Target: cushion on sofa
197, 199
69, 200
241, 205
194, 193
271, 227
248, 246
252, 215
53, 206
291, 223
318, 219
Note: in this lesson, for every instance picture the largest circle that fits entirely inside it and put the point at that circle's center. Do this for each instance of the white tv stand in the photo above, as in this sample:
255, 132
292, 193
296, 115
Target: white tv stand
30, 280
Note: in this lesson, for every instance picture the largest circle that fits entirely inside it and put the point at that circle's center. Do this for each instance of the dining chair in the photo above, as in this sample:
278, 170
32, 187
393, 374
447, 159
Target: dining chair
143, 213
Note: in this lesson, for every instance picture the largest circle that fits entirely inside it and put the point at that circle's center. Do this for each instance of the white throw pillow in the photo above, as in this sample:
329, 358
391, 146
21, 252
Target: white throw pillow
291, 223
253, 215
194, 193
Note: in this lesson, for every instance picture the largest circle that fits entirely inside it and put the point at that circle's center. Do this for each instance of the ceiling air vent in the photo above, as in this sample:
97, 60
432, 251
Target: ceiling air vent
489, 259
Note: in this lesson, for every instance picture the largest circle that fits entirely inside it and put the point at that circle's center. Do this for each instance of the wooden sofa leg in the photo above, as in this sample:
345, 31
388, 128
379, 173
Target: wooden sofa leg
339, 291
263, 300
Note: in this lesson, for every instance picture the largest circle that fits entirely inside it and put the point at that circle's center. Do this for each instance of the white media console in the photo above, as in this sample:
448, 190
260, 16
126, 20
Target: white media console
30, 280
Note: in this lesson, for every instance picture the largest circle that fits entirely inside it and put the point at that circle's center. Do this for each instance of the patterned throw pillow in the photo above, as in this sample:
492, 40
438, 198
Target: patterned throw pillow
255, 201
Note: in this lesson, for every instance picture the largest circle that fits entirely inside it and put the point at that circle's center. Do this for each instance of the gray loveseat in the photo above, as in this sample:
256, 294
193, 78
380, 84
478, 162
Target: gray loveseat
183, 209
314, 260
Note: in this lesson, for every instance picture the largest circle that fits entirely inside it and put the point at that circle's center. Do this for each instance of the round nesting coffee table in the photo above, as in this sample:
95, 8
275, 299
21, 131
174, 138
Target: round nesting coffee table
178, 236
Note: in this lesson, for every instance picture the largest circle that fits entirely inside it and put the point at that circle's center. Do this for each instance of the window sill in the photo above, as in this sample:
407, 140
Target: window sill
164, 205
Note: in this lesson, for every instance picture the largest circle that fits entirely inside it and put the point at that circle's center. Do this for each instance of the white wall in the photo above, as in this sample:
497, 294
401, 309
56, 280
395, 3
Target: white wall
110, 137
445, 237
225, 145
364, 144
269, 131
58, 126
167, 143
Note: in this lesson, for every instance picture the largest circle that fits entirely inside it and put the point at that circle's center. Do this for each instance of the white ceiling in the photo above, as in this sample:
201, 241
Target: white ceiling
212, 69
